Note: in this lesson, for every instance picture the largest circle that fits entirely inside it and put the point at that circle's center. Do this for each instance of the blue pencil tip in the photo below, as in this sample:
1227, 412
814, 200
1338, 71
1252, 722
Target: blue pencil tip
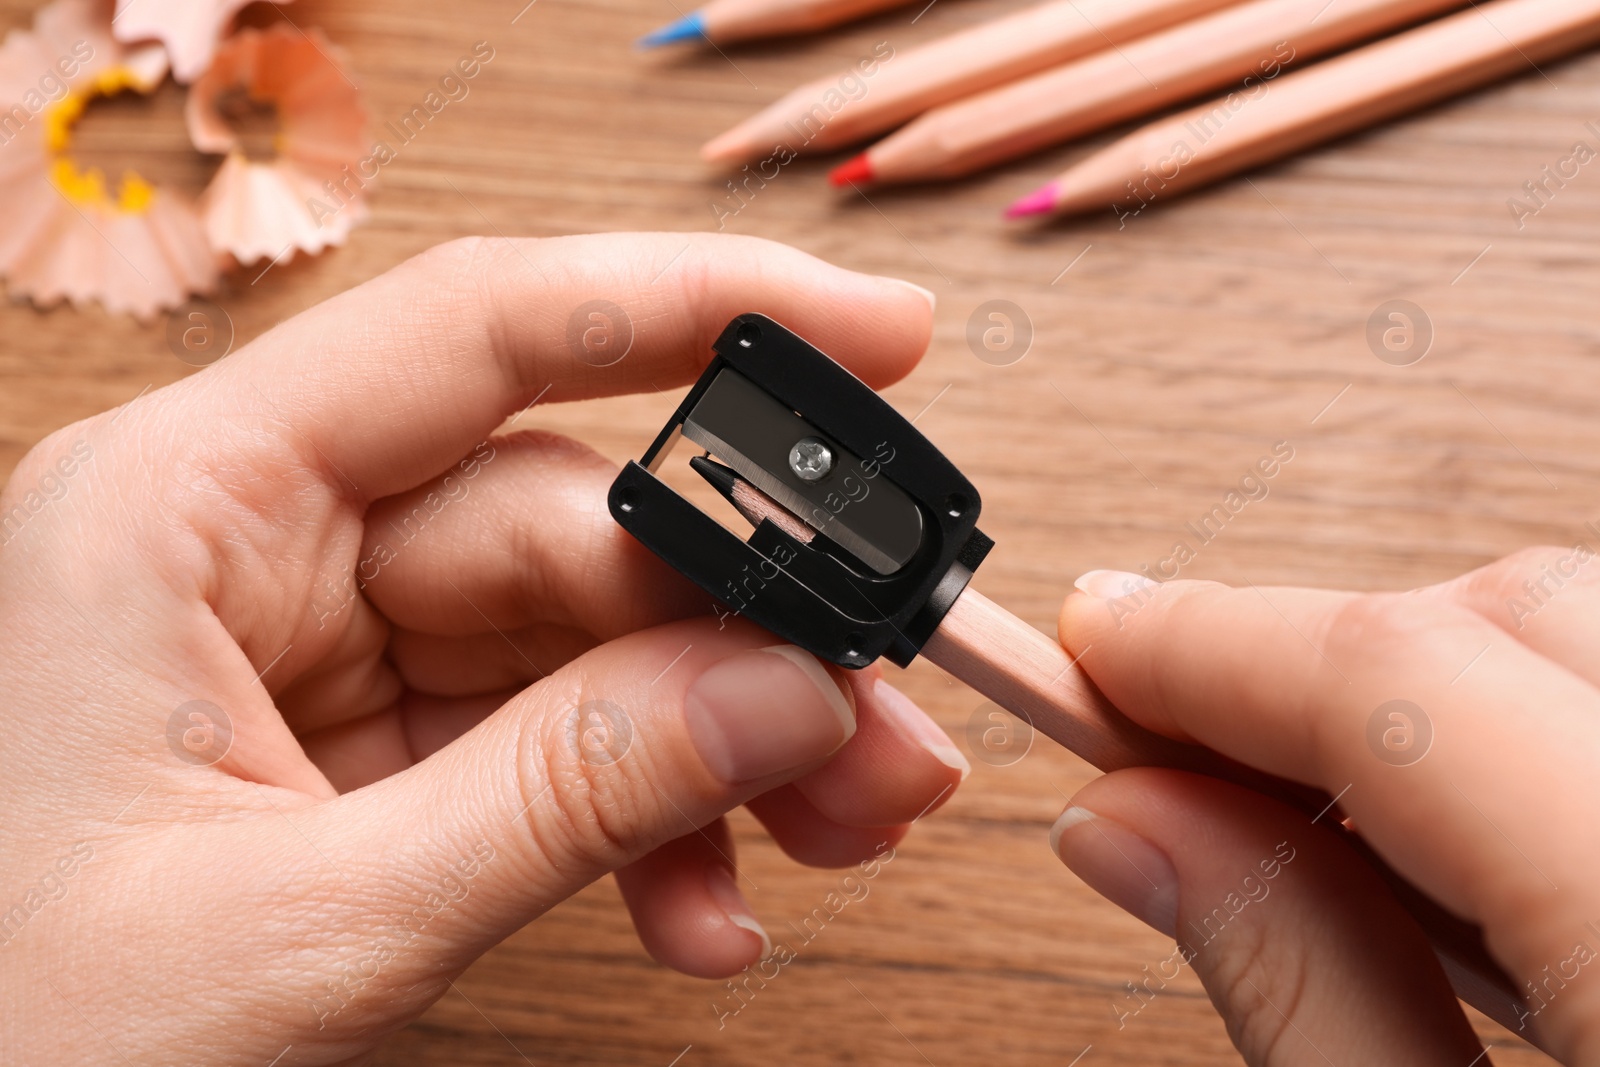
691, 27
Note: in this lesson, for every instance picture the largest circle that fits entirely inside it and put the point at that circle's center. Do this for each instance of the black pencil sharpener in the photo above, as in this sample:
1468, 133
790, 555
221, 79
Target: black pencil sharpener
872, 532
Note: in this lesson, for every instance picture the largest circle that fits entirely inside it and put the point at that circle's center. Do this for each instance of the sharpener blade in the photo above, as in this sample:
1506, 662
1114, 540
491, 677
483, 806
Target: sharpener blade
861, 511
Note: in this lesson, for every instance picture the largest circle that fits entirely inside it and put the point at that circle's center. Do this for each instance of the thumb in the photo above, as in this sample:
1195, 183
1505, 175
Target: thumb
1292, 935
632, 745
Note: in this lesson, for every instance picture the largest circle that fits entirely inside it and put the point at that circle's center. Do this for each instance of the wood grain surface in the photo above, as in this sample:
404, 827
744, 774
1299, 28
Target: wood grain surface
1167, 356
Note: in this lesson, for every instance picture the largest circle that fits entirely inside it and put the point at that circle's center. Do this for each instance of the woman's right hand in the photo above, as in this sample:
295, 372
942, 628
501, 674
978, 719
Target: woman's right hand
1459, 727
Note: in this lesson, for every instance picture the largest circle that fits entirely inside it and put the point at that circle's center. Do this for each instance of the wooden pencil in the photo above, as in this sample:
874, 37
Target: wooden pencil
1409, 71
1031, 676
725, 21
867, 99
1250, 44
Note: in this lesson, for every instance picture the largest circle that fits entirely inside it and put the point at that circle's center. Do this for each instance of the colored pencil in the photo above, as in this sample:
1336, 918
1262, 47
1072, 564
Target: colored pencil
1403, 73
833, 112
724, 21
1249, 44
1032, 676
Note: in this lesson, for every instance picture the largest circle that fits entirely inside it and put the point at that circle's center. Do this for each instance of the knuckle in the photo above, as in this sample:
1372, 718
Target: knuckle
1259, 986
579, 810
1381, 621
1387, 635
455, 259
716, 262
1378, 642
1538, 571
1401, 628
702, 269
1529, 559
40, 461
454, 284
1187, 594
542, 453
469, 290
444, 301
48, 473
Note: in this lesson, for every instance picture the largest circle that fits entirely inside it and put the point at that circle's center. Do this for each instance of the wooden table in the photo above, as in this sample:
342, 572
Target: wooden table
1167, 357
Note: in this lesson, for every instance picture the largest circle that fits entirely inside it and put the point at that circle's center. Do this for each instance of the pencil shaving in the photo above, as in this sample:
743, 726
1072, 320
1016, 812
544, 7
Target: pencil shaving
307, 198
757, 506
190, 29
69, 233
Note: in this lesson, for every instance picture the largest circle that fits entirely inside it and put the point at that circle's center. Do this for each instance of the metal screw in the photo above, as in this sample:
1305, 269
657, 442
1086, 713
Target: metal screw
810, 459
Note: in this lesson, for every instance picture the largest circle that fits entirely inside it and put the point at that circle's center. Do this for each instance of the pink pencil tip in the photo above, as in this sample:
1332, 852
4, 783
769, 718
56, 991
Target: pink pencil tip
851, 171
1041, 201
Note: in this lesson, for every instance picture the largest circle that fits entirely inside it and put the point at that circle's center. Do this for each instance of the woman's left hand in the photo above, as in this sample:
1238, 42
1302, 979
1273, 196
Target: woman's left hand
315, 688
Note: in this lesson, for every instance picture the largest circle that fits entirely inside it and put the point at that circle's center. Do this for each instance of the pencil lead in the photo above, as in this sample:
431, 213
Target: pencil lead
1041, 201
692, 27
722, 478
852, 171
750, 502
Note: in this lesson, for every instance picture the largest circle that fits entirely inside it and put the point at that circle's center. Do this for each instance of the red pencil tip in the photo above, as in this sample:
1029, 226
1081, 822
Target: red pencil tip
1039, 202
852, 171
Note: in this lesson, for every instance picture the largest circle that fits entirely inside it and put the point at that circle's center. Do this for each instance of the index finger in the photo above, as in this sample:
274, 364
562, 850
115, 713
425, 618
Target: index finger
388, 384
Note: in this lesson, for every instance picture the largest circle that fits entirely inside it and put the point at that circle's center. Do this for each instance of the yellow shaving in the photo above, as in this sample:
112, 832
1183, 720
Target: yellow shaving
88, 188
135, 194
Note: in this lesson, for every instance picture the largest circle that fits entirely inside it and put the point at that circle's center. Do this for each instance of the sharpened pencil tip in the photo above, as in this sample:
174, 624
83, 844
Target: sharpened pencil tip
1041, 201
691, 27
722, 478
851, 171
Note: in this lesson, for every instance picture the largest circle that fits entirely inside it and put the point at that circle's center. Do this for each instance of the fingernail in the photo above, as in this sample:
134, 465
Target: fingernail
923, 732
765, 711
725, 891
1120, 865
1109, 585
927, 294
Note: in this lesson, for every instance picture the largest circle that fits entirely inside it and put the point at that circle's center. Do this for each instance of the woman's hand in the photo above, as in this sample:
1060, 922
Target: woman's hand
1459, 727
314, 689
